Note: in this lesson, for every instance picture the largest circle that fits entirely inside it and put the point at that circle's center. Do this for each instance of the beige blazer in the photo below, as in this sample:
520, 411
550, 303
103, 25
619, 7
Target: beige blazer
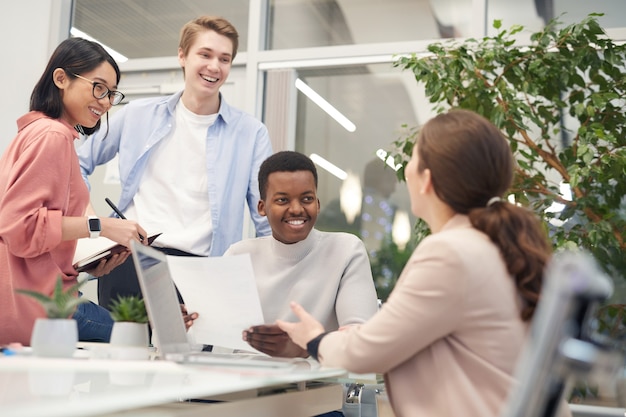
448, 337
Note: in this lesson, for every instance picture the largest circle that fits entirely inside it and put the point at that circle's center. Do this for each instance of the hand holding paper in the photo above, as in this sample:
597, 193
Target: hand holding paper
270, 339
222, 290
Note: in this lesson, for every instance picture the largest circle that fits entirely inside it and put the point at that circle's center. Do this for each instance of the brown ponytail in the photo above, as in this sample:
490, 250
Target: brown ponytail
471, 163
523, 244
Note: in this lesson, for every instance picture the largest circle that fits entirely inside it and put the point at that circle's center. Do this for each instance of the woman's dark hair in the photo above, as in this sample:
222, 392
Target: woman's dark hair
284, 161
471, 163
75, 56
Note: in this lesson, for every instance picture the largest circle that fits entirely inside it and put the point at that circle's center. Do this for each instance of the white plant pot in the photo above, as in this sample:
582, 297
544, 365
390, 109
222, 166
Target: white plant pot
54, 338
129, 341
126, 333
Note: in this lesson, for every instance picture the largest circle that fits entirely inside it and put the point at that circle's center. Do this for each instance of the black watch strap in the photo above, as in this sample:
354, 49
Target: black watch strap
314, 344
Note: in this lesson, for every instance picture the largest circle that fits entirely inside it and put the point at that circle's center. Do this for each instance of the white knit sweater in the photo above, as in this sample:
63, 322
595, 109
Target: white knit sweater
327, 273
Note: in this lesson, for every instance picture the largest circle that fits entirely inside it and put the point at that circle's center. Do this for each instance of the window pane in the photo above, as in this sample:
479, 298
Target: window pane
575, 10
533, 14
145, 28
378, 99
311, 23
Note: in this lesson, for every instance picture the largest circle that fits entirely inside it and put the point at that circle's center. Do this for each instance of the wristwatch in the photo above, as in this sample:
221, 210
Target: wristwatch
93, 224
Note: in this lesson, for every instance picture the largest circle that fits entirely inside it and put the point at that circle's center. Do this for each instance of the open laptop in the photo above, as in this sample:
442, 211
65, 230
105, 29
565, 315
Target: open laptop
167, 323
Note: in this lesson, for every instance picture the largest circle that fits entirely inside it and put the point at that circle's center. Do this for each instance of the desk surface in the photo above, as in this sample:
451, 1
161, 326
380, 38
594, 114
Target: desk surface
32, 386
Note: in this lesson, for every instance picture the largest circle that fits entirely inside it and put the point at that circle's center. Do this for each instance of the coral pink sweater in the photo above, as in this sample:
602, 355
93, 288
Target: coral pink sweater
40, 182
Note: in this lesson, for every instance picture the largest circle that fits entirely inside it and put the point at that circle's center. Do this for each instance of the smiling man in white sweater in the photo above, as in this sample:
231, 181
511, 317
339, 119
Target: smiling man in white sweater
327, 272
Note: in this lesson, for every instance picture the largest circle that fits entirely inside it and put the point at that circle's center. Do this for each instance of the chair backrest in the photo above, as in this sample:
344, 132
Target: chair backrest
562, 344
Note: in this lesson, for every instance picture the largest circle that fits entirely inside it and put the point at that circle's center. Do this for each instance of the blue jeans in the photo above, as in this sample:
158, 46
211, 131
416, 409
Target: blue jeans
94, 323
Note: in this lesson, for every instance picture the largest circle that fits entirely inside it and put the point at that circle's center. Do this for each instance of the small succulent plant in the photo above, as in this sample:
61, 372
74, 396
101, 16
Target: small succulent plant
129, 308
62, 303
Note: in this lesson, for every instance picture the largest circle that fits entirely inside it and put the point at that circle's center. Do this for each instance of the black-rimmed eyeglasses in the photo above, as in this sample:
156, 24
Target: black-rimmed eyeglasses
100, 91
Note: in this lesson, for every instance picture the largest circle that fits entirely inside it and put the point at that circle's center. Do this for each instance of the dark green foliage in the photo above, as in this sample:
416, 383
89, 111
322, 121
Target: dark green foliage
387, 266
560, 101
129, 308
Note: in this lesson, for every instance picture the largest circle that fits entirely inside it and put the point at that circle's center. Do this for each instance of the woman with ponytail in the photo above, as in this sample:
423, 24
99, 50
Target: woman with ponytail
448, 338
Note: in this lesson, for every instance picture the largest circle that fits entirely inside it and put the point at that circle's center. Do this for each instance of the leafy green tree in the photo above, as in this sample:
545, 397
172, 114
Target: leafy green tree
560, 101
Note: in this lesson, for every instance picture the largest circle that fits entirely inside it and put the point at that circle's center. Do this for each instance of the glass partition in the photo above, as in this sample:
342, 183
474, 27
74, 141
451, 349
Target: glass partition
313, 23
148, 28
533, 14
376, 101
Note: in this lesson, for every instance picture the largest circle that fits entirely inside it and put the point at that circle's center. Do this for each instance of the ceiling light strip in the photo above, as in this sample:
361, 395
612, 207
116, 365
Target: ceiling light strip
329, 166
116, 55
325, 105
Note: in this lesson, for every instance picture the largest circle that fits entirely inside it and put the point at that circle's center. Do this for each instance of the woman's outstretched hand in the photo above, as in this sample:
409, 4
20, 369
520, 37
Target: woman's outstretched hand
305, 330
270, 339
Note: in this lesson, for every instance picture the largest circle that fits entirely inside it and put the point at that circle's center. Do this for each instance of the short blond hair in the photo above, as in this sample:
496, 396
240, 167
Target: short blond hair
217, 24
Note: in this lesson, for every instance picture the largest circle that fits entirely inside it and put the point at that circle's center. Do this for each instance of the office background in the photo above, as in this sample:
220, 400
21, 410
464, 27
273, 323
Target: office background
341, 49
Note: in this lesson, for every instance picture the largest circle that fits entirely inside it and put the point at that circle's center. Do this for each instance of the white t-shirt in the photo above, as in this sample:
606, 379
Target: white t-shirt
173, 197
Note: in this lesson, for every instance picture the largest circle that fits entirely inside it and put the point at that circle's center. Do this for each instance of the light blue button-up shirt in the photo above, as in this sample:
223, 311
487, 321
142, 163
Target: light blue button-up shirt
236, 145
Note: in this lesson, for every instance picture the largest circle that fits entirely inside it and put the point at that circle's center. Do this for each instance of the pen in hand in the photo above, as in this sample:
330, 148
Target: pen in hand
119, 213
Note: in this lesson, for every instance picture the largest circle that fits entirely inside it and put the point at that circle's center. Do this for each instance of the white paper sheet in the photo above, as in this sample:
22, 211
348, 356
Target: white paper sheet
222, 290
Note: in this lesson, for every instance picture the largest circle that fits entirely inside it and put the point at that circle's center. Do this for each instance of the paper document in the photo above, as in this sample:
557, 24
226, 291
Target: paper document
222, 290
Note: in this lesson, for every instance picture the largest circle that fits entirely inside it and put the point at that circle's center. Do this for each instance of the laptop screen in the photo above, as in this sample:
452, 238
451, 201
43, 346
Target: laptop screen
162, 304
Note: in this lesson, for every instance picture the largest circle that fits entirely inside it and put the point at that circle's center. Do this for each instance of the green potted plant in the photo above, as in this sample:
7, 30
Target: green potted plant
57, 334
131, 324
129, 309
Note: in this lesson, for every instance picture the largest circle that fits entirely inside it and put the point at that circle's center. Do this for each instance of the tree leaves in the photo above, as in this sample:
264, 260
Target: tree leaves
561, 102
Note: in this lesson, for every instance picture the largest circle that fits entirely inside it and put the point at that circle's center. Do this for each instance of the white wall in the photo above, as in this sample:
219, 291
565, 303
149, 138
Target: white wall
30, 31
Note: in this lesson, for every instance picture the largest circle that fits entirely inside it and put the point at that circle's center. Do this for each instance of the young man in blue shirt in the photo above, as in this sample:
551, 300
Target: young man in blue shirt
187, 162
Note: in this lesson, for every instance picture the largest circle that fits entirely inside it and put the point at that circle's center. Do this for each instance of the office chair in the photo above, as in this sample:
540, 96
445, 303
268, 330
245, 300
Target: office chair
563, 345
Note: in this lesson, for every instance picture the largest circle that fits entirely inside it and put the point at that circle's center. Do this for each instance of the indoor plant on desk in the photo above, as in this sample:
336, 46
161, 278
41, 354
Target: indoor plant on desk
131, 324
56, 335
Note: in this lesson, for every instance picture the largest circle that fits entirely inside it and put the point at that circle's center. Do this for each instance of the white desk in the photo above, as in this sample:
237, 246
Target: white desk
94, 387
35, 387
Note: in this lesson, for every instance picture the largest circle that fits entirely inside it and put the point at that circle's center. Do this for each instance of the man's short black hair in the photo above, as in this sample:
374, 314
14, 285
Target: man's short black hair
284, 161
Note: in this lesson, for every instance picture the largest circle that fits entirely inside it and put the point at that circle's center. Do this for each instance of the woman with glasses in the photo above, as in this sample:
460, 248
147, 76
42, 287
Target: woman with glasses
43, 198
